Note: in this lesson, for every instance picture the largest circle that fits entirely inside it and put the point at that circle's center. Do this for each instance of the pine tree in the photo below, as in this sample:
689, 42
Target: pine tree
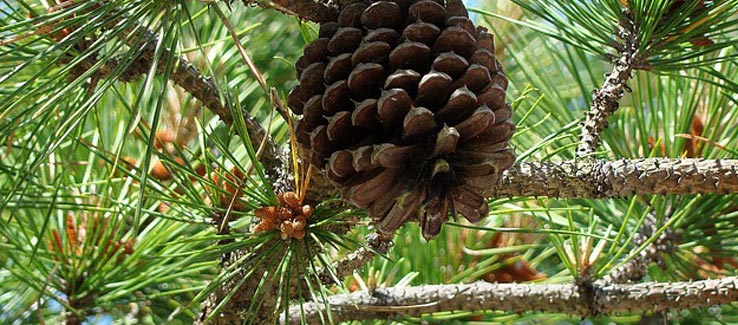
178, 162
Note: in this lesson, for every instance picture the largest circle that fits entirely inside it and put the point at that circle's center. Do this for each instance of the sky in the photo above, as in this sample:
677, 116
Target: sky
473, 3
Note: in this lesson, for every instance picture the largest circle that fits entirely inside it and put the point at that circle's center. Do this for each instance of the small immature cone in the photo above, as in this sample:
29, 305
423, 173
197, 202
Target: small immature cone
160, 171
403, 107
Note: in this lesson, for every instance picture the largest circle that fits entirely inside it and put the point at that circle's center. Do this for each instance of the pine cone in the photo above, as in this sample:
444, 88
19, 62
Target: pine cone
403, 107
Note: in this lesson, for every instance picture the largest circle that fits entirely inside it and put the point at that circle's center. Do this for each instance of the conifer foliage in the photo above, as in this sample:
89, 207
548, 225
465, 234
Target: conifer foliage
328, 161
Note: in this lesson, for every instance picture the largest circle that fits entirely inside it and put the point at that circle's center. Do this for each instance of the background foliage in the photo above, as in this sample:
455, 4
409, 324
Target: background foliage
108, 188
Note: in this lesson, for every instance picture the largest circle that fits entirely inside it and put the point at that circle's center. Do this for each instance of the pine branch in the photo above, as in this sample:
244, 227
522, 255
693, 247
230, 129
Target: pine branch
635, 269
251, 294
394, 303
204, 89
605, 99
143, 43
318, 12
240, 295
376, 244
620, 178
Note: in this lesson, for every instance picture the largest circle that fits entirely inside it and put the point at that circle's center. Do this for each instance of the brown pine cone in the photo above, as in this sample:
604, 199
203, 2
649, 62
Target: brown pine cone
403, 107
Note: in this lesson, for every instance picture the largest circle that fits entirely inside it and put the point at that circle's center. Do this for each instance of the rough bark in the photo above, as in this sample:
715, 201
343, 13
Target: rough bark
620, 178
394, 303
605, 99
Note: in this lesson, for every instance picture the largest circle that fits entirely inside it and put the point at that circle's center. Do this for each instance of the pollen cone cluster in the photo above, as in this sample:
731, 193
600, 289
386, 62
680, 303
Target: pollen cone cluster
403, 107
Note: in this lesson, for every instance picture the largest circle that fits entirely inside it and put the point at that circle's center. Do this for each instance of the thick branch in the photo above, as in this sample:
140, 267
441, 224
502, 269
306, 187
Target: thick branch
393, 303
621, 178
605, 99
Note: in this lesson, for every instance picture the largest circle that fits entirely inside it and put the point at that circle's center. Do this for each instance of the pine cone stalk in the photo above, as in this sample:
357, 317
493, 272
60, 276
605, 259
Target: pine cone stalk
402, 106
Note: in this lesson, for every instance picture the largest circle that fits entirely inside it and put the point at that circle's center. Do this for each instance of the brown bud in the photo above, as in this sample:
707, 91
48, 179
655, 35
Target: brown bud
307, 211
71, 229
128, 162
179, 161
128, 246
284, 213
51, 248
300, 222
266, 213
163, 207
238, 174
701, 41
263, 226
160, 171
57, 241
162, 138
201, 169
287, 227
231, 185
292, 200
299, 234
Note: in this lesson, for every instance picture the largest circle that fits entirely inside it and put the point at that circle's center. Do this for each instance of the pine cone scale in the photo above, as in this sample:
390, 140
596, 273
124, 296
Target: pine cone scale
402, 210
